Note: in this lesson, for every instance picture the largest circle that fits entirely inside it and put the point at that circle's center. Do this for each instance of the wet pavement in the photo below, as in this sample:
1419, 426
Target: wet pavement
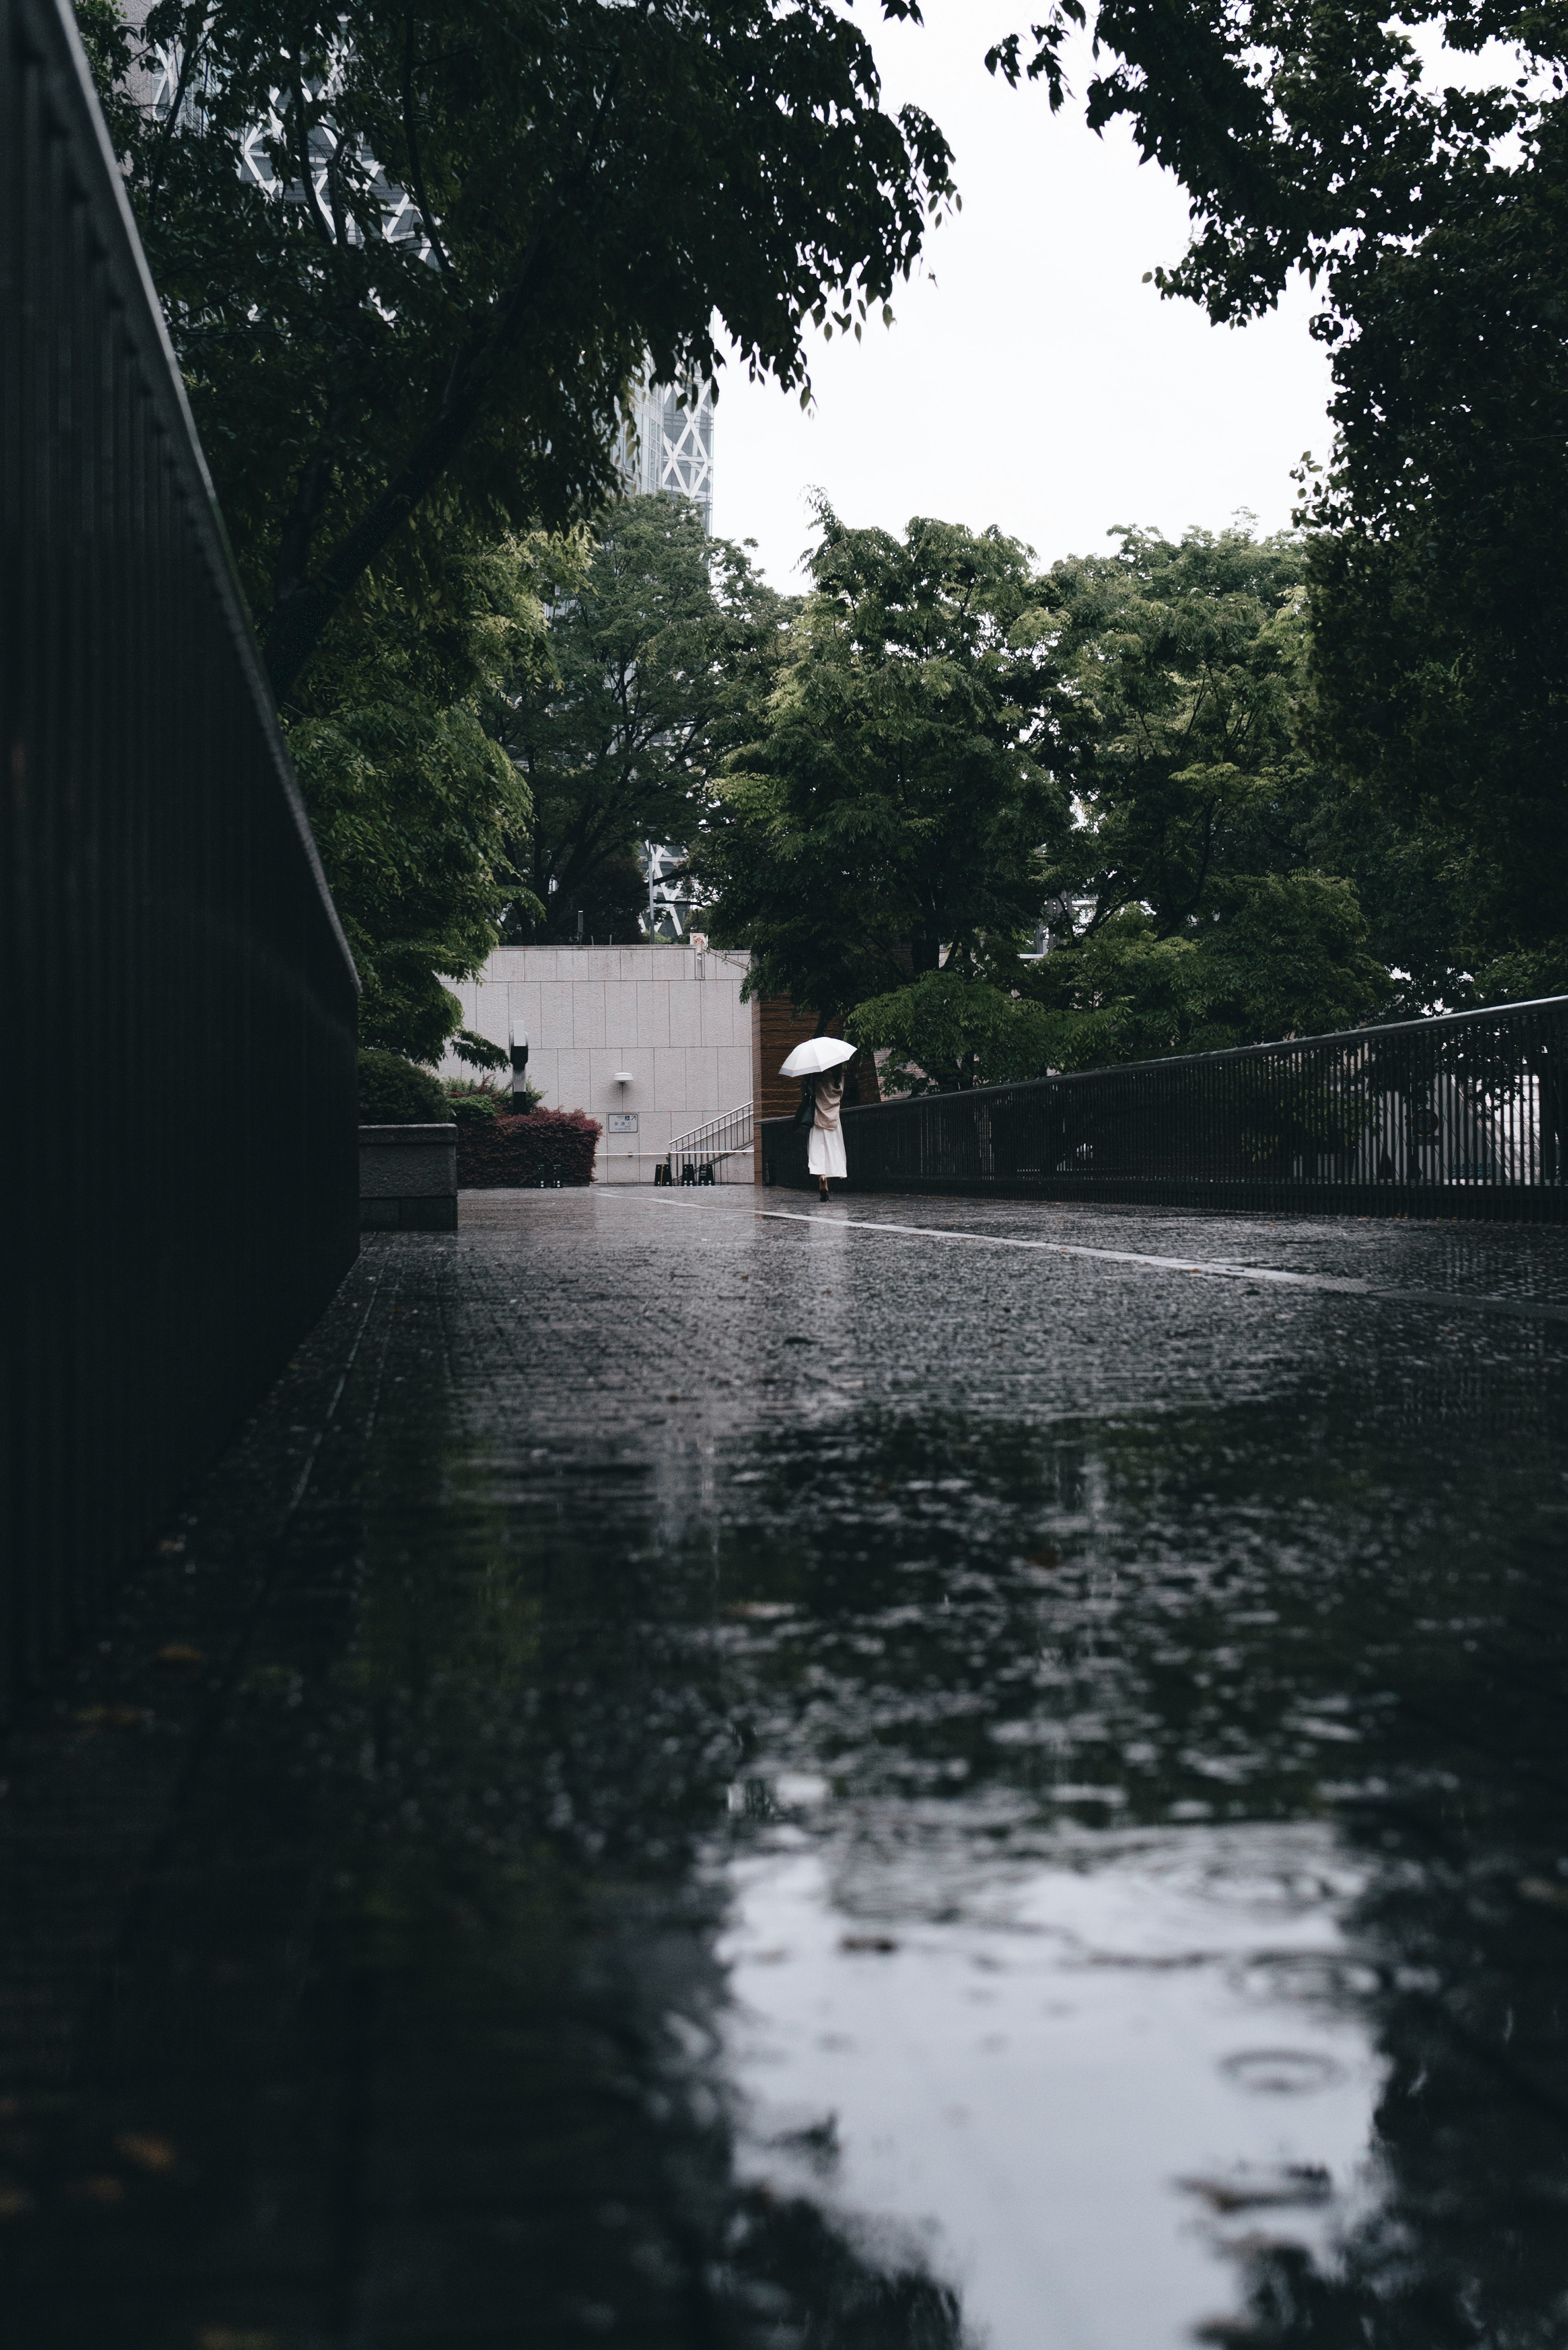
715, 1772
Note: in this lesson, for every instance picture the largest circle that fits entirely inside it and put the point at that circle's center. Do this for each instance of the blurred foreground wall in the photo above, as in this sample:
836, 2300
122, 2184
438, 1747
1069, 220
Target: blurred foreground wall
166, 1233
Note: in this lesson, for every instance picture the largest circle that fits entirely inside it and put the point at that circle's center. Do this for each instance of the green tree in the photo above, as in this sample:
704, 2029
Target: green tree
479, 223
1439, 592
1185, 666
888, 821
662, 644
1415, 878
413, 805
1186, 914
1313, 137
948, 1031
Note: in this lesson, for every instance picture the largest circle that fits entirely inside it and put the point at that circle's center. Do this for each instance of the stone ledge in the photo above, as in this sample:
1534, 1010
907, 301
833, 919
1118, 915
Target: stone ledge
409, 1213
408, 1162
404, 1137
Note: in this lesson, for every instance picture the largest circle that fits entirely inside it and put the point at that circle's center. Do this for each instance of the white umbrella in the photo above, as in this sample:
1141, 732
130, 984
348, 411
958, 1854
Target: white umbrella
816, 1054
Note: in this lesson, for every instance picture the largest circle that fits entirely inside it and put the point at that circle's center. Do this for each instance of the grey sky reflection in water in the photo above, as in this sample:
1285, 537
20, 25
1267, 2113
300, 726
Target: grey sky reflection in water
1080, 2085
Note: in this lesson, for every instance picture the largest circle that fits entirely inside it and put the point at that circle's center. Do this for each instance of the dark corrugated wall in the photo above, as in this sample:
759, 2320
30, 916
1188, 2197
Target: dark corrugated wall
178, 1160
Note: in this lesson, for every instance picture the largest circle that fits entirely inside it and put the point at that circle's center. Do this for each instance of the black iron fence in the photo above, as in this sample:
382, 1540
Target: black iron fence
178, 1157
1462, 1116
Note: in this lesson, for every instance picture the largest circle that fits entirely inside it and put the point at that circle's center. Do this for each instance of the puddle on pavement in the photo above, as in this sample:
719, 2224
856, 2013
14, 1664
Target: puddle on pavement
1073, 2094
951, 1881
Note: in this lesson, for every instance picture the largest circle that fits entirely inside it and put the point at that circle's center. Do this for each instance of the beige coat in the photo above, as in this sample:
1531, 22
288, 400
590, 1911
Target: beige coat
825, 1149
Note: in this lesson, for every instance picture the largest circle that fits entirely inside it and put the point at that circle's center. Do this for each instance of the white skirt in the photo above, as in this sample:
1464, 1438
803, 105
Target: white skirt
824, 1151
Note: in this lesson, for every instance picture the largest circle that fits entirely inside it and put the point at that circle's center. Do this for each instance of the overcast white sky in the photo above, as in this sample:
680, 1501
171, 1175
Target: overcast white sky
1031, 380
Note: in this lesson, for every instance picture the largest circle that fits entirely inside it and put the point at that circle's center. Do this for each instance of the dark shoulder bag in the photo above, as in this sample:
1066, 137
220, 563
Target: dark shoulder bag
805, 1109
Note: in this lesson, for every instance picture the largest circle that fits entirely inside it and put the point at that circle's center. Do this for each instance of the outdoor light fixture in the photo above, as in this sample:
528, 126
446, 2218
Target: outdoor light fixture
517, 1039
625, 1078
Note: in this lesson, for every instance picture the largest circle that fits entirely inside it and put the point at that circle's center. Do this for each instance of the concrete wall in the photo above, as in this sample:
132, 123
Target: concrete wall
672, 1016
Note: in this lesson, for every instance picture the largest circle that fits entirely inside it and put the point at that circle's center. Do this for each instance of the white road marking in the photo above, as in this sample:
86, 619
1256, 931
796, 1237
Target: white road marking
1220, 1268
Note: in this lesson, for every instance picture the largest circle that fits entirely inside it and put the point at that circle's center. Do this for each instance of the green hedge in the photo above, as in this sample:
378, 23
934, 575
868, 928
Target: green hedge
396, 1092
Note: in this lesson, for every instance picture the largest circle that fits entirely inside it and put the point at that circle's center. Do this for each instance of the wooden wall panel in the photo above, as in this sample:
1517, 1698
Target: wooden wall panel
777, 1029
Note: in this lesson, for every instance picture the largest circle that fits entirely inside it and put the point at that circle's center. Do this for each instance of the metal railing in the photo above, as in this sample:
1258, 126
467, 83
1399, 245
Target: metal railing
1466, 1115
178, 1172
717, 1152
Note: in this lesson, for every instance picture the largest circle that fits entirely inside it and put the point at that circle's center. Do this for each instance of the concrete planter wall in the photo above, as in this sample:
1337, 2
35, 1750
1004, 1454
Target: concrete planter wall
408, 1179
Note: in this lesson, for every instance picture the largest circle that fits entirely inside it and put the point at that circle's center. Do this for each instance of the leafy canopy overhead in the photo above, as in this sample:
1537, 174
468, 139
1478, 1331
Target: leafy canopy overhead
482, 222
1332, 137
889, 818
1308, 134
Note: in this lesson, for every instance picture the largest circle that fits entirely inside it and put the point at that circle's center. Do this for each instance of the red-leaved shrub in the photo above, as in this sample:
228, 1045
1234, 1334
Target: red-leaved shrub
507, 1153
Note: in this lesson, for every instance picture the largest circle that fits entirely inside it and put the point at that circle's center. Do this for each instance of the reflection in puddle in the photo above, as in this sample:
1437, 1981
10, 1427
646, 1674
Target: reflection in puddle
1069, 2089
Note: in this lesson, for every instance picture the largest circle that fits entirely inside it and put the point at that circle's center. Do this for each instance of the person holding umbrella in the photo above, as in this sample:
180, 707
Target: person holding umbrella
819, 1063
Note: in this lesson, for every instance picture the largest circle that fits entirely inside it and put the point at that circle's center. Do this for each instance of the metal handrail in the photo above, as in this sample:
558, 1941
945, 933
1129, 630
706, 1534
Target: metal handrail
707, 1146
695, 1144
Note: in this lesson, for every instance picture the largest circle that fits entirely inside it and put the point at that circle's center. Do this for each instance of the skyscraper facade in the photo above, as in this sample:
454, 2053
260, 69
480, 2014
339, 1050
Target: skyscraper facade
670, 446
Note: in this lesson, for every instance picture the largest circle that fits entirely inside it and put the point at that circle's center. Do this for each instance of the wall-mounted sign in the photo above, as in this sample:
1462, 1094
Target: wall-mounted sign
623, 1121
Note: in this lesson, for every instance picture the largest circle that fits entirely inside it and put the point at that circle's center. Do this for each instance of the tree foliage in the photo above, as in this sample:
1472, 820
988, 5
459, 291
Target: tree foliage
422, 247
412, 257
957, 747
1188, 915
888, 820
1185, 665
1438, 588
1289, 960
394, 1092
948, 1031
1325, 137
1307, 136
413, 805
662, 644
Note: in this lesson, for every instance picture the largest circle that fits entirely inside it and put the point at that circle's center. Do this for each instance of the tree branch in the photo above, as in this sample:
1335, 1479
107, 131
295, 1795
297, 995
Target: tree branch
305, 507
302, 144
410, 139
300, 619
188, 62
